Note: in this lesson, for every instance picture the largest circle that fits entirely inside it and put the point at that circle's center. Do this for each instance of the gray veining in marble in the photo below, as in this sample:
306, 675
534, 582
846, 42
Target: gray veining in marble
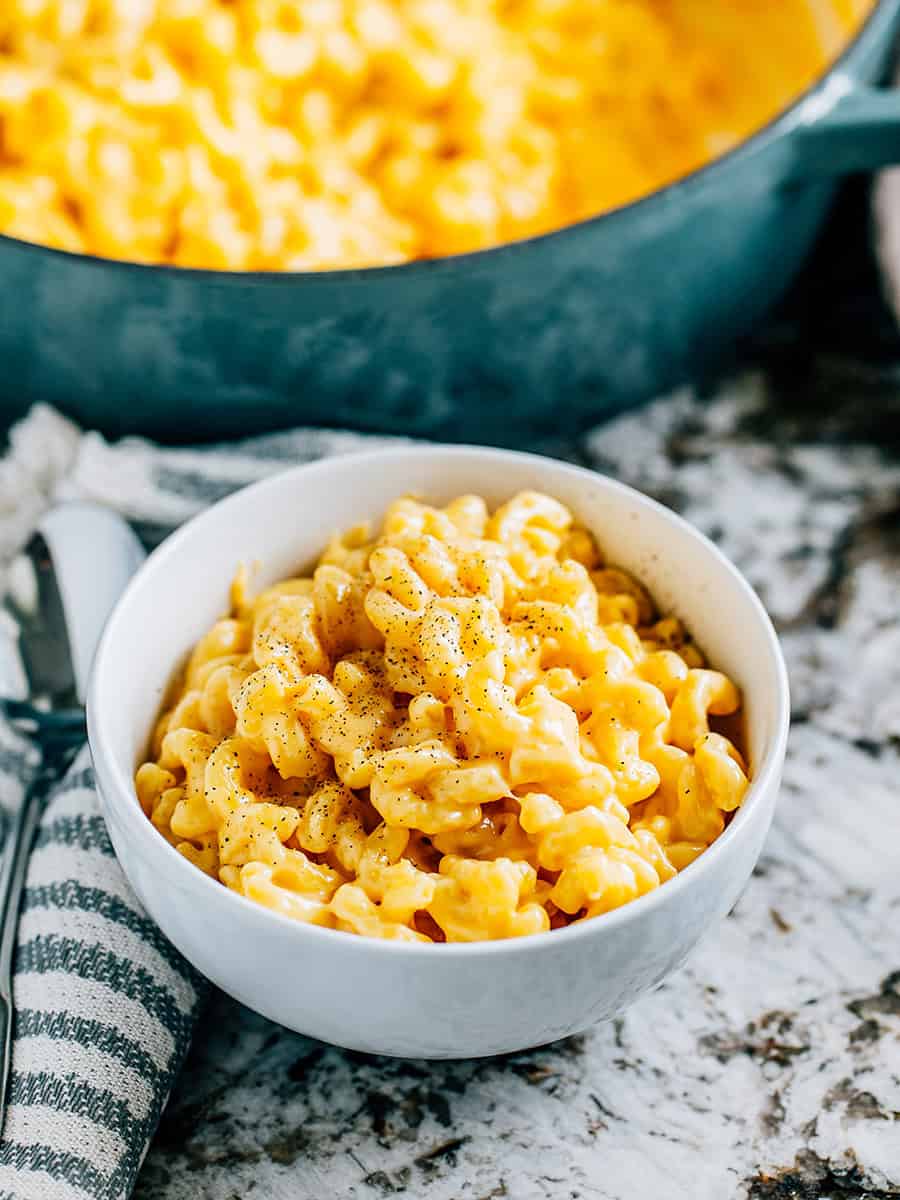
767, 1068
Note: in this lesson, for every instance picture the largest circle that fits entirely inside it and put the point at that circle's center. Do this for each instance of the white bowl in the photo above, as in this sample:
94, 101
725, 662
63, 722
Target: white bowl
429, 1001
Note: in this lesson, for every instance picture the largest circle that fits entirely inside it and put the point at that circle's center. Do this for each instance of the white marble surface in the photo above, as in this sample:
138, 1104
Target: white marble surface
769, 1067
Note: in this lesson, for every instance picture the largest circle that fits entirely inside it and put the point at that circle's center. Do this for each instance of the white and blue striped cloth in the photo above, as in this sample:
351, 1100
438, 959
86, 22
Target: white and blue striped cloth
105, 1006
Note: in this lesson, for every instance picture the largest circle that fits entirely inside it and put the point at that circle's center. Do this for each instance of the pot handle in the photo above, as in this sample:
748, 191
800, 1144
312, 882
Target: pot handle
847, 127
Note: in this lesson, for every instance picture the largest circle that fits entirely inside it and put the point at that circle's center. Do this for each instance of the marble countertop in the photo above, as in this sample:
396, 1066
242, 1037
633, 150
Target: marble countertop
769, 1066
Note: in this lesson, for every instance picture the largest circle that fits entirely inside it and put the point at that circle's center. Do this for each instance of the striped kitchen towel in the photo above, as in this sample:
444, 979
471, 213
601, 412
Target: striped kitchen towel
105, 1005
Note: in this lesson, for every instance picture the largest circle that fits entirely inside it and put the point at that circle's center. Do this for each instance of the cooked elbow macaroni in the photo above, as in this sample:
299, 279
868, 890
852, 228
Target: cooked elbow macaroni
467, 728
280, 135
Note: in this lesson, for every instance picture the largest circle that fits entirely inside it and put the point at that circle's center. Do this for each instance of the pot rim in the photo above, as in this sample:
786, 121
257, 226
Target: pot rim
780, 124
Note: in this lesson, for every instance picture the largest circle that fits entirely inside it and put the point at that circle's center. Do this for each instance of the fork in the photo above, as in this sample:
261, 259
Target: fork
81, 559
54, 722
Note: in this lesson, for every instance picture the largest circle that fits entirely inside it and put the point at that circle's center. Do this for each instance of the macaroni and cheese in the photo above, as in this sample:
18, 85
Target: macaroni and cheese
277, 135
467, 727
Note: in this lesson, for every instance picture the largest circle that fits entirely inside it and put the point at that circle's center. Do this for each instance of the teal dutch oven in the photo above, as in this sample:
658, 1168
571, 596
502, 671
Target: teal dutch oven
495, 346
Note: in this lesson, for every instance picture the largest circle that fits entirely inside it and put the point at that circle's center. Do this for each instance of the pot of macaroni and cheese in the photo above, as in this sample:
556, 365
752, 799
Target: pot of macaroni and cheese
423, 217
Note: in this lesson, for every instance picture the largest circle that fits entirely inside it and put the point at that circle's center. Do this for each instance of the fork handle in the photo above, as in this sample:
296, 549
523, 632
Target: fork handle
21, 839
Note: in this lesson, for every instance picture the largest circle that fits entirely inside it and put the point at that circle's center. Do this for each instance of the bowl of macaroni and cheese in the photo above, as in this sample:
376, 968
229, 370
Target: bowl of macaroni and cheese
436, 751
396, 214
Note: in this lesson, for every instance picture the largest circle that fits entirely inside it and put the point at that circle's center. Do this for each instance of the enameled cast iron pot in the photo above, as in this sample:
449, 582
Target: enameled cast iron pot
548, 333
